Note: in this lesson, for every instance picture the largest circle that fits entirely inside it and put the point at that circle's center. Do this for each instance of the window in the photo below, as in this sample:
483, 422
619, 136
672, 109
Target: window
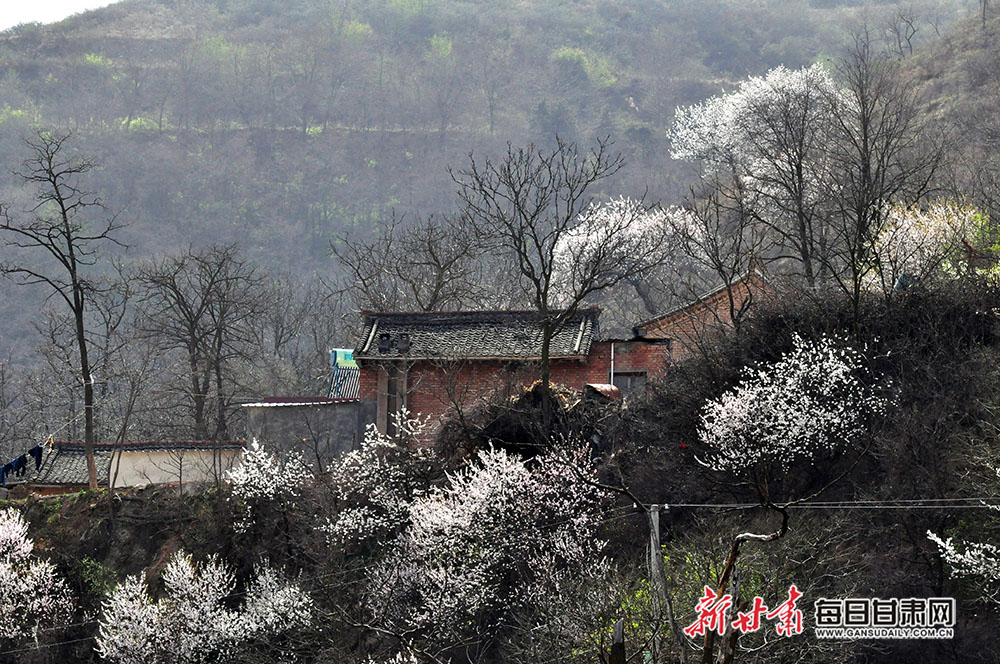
630, 381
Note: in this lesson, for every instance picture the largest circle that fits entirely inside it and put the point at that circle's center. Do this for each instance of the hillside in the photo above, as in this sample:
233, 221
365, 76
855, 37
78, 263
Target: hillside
837, 439
958, 80
283, 124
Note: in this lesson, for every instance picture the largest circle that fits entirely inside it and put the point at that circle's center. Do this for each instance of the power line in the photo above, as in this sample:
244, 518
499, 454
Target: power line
39, 646
911, 503
918, 503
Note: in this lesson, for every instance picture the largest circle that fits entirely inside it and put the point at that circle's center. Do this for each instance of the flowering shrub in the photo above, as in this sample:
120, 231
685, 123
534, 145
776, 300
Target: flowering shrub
31, 594
192, 622
374, 486
398, 658
500, 536
917, 242
810, 402
259, 477
975, 560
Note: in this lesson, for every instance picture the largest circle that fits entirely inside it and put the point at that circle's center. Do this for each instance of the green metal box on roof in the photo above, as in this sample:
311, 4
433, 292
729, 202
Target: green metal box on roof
343, 358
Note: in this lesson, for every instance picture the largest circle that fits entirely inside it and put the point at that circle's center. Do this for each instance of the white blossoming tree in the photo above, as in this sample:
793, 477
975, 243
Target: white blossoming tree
817, 161
618, 240
374, 487
31, 593
502, 536
194, 622
260, 477
918, 242
764, 149
815, 402
979, 561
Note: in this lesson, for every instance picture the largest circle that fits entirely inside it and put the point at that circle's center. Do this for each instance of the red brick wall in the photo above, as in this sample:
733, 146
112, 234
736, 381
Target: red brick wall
629, 356
691, 323
368, 382
433, 389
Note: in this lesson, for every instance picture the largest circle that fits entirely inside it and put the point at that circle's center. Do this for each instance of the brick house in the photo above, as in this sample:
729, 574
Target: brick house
687, 324
435, 363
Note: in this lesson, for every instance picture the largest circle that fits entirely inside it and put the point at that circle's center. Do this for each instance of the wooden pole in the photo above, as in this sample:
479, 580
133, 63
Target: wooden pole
618, 643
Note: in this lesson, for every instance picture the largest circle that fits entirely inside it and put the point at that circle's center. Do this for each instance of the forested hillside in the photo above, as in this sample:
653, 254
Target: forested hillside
259, 134
203, 194
283, 124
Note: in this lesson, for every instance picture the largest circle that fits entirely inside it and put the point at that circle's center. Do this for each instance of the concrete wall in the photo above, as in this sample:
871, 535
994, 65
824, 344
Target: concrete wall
179, 466
320, 431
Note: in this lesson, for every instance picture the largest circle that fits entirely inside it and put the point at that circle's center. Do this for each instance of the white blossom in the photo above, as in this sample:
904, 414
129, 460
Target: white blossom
621, 235
374, 486
500, 535
917, 242
974, 559
259, 476
810, 402
192, 622
398, 658
769, 143
31, 593
743, 126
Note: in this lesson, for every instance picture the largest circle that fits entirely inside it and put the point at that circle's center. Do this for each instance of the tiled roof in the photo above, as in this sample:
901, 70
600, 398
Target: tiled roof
66, 461
286, 402
471, 335
154, 445
69, 466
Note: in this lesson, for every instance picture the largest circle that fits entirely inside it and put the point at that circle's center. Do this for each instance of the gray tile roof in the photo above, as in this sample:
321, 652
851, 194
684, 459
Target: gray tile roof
472, 335
66, 462
62, 465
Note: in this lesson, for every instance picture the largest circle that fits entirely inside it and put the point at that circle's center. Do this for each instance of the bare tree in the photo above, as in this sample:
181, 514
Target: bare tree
535, 205
718, 238
901, 27
202, 303
14, 414
59, 245
427, 264
880, 156
494, 76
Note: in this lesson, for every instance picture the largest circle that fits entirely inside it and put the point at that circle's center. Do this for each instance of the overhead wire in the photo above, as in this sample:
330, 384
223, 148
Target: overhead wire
300, 579
623, 511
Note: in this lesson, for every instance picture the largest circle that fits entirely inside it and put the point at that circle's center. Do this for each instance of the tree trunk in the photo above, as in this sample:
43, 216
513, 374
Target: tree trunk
88, 389
545, 393
199, 398
658, 587
221, 429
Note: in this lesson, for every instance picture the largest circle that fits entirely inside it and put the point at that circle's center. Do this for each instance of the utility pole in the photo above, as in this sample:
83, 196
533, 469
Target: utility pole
658, 585
618, 643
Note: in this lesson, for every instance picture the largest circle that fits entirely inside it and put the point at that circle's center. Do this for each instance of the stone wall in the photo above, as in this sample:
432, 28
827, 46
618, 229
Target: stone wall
320, 431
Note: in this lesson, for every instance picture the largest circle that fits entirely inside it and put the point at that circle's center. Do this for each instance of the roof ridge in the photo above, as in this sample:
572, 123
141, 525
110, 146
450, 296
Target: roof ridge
474, 334
368, 314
